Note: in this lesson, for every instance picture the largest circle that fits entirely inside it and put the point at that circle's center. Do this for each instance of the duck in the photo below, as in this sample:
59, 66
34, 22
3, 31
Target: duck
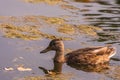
84, 56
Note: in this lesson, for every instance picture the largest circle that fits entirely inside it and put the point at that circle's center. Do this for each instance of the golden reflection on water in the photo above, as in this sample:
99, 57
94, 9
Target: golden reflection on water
50, 2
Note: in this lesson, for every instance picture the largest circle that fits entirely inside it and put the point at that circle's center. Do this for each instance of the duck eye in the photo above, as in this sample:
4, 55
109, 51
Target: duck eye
53, 43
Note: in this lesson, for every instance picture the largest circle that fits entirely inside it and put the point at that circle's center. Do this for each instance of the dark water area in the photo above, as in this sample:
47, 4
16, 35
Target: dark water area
21, 58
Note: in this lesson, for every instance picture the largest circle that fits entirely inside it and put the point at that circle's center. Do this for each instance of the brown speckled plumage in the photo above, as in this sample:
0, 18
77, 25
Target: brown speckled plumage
85, 56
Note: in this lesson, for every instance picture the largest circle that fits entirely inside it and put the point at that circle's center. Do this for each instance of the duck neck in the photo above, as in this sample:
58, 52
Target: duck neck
59, 56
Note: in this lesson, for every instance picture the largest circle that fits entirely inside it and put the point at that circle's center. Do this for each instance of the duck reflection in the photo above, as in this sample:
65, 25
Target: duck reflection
56, 70
91, 68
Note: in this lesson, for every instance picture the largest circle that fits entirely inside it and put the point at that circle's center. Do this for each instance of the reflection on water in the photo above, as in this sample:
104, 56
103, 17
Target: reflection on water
108, 36
110, 11
92, 14
103, 2
106, 2
107, 17
91, 68
56, 70
118, 1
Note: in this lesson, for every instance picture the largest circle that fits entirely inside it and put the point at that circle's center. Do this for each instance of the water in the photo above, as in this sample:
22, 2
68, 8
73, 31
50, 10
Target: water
16, 52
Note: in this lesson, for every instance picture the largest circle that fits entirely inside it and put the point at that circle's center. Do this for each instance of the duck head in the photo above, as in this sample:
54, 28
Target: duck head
55, 45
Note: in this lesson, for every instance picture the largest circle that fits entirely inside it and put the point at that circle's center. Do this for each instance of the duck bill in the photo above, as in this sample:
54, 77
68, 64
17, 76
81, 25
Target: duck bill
46, 50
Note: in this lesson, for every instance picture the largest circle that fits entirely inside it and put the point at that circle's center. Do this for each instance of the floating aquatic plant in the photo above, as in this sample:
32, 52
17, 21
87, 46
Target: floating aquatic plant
53, 20
26, 32
50, 2
67, 29
50, 77
89, 30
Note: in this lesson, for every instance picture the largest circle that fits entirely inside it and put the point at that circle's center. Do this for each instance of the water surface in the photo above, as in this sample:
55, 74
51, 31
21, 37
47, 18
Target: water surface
17, 52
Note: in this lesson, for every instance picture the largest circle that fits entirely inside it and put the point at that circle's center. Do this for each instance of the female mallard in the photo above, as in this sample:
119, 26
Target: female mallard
85, 56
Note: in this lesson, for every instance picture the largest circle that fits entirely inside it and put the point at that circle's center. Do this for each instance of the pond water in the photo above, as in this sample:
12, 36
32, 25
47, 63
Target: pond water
21, 58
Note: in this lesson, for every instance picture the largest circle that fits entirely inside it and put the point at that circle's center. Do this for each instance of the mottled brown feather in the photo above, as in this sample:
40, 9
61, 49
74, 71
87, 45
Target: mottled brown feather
84, 56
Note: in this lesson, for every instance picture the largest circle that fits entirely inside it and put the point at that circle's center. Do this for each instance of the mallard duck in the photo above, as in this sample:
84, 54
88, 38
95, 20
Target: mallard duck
84, 56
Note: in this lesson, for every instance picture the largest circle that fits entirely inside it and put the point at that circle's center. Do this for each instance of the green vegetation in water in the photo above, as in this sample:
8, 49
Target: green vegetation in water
87, 29
84, 0
84, 29
63, 27
53, 20
33, 19
70, 7
23, 32
26, 32
50, 2
48, 77
29, 28
66, 28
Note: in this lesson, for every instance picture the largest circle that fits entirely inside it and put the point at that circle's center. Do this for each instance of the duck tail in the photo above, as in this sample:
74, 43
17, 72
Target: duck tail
111, 51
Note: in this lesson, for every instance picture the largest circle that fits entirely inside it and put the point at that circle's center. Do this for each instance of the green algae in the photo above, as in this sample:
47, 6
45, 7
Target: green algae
78, 29
27, 32
50, 2
66, 28
84, 1
49, 77
23, 32
53, 20
30, 28
30, 19
89, 30
70, 7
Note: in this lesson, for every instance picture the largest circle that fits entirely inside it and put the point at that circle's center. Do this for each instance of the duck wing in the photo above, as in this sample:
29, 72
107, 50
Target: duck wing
90, 55
89, 50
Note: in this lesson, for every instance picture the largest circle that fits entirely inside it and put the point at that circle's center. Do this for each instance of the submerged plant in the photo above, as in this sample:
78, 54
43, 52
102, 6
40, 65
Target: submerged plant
53, 20
26, 32
66, 28
50, 2
89, 30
